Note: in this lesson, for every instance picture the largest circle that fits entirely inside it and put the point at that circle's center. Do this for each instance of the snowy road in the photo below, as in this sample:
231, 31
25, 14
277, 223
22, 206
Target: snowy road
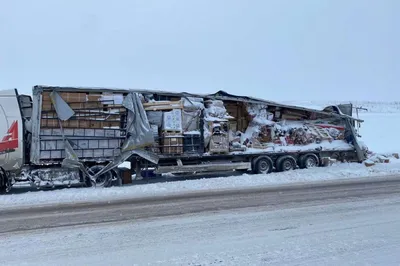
354, 223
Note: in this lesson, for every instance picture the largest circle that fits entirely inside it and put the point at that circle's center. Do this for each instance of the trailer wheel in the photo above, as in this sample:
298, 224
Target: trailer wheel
104, 180
262, 165
309, 160
286, 163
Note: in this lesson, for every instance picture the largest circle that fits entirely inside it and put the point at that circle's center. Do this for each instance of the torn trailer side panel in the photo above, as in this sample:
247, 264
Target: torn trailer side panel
98, 125
176, 125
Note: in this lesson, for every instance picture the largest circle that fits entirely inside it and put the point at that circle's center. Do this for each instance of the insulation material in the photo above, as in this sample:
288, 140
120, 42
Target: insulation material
112, 98
260, 115
172, 121
260, 118
216, 111
250, 134
192, 103
335, 133
155, 117
191, 120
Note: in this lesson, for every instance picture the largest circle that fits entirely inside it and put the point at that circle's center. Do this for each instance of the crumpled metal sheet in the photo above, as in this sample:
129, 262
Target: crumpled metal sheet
64, 111
139, 135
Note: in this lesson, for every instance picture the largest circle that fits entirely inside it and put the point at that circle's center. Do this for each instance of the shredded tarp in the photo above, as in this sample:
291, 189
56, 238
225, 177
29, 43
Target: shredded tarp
138, 126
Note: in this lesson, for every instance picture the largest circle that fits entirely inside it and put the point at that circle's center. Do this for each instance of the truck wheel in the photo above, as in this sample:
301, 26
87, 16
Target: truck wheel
262, 165
309, 160
3, 181
286, 163
104, 180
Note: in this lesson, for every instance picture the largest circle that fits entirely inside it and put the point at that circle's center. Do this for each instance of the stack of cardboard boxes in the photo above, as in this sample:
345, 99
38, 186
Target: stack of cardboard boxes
96, 130
91, 111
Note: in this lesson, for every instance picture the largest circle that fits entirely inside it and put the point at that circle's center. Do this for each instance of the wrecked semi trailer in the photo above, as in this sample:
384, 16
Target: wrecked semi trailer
66, 136
69, 135
196, 133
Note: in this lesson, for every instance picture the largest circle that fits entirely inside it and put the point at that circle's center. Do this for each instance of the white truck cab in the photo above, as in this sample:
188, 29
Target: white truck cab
15, 110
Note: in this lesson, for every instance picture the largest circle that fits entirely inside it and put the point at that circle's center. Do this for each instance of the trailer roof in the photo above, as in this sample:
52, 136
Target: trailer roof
219, 95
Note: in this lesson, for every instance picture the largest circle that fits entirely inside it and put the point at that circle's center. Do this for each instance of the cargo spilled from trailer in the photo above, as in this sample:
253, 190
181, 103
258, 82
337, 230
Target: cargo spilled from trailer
74, 135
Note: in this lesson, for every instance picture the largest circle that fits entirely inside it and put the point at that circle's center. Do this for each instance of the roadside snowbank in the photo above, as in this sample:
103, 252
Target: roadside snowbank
379, 132
79, 195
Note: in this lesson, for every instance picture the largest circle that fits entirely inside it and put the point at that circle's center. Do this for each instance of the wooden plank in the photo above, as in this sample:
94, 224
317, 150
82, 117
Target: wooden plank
162, 103
162, 107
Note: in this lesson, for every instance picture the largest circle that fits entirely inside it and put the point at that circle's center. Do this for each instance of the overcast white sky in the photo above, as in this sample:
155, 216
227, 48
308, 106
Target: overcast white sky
279, 50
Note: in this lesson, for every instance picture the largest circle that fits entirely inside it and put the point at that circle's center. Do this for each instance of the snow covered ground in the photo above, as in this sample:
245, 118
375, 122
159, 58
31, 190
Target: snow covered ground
378, 133
76, 195
343, 233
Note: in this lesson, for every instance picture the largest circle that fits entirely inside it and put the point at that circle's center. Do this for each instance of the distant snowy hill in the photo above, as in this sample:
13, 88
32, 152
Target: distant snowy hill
372, 106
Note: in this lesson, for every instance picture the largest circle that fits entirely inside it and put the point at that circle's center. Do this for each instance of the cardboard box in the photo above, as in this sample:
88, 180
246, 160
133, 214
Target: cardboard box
93, 97
79, 124
88, 105
47, 106
69, 97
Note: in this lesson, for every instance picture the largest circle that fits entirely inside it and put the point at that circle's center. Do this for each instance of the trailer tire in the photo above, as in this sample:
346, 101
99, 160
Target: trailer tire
309, 160
286, 163
104, 180
262, 165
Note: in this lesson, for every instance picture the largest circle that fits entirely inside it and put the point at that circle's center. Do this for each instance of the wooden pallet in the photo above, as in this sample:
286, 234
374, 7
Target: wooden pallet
163, 105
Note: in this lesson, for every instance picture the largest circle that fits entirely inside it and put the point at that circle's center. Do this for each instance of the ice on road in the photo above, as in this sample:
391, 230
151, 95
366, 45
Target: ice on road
78, 195
352, 233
